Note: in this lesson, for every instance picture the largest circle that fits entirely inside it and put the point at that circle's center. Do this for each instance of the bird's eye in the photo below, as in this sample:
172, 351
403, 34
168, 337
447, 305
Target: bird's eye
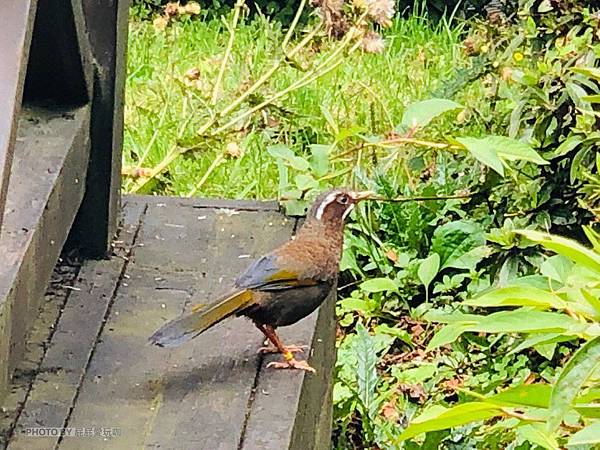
343, 199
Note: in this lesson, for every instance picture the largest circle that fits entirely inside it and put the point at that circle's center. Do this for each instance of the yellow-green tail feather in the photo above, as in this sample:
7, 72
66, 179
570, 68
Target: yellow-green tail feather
182, 329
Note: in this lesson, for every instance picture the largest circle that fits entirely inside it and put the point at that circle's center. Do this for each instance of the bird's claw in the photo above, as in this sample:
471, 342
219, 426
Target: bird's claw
292, 364
290, 348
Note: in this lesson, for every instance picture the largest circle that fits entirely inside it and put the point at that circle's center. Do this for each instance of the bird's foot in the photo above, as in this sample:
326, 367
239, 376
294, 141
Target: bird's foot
268, 349
292, 364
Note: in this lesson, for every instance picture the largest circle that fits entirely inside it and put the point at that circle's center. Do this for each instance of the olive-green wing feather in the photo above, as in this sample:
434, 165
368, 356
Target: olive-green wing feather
269, 273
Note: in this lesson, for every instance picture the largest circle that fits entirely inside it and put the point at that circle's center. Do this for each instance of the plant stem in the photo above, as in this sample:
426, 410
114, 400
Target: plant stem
378, 100
208, 172
236, 17
306, 79
292, 27
267, 75
410, 140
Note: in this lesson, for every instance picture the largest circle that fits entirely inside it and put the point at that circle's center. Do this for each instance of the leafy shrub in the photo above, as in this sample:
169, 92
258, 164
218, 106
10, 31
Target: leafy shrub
434, 262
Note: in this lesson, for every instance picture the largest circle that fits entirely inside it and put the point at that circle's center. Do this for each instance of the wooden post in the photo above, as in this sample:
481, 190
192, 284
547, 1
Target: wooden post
15, 35
96, 223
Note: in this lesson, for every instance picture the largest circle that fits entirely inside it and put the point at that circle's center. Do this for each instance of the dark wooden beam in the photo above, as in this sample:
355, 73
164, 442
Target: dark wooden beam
15, 36
96, 223
39, 212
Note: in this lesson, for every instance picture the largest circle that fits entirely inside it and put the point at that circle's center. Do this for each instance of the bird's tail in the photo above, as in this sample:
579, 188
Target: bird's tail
182, 329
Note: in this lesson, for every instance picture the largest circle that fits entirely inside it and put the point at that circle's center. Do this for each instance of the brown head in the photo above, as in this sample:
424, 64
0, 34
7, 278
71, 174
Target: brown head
332, 207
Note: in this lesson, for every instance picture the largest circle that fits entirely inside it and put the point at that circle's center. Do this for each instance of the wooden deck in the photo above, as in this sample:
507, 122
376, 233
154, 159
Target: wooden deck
88, 366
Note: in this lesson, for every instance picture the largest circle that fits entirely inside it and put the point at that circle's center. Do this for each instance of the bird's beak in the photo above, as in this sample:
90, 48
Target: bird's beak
362, 195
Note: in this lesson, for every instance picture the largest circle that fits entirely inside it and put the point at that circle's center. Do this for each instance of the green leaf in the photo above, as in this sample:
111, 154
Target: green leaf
403, 335
591, 98
581, 365
329, 118
566, 146
518, 296
415, 375
428, 269
527, 321
366, 373
305, 182
446, 335
566, 247
319, 162
557, 268
541, 339
514, 150
590, 410
535, 395
295, 207
284, 153
419, 114
483, 153
593, 237
491, 150
354, 304
453, 417
588, 71
586, 436
379, 285
535, 434
454, 242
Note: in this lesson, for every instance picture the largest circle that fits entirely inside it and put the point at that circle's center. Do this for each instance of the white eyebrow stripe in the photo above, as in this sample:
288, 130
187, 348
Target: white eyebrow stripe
326, 201
348, 211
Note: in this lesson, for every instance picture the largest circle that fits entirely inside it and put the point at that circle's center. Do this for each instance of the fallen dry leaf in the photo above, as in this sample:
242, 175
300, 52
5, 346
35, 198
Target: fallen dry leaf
392, 255
390, 412
452, 385
192, 74
414, 391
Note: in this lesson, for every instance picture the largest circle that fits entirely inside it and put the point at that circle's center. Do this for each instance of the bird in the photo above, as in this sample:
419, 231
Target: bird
281, 287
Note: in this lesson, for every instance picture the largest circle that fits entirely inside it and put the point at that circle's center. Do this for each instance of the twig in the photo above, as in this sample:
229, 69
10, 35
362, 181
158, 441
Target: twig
420, 199
410, 140
236, 17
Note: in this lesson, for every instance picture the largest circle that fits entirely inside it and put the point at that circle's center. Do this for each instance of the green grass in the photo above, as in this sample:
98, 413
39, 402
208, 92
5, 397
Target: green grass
367, 90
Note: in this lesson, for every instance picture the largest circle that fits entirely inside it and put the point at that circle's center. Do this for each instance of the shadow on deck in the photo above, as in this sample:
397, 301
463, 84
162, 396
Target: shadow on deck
88, 367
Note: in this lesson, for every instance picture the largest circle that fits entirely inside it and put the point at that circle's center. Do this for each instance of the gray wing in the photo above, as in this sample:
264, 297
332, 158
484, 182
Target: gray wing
266, 274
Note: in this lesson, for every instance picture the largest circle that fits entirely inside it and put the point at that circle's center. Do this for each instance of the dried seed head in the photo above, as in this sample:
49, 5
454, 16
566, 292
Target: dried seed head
192, 8
233, 150
381, 11
373, 43
172, 8
160, 23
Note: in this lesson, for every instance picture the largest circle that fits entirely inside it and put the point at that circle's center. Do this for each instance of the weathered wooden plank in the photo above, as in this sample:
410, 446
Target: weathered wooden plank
106, 24
60, 374
200, 203
214, 392
38, 216
15, 36
290, 409
38, 338
194, 396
